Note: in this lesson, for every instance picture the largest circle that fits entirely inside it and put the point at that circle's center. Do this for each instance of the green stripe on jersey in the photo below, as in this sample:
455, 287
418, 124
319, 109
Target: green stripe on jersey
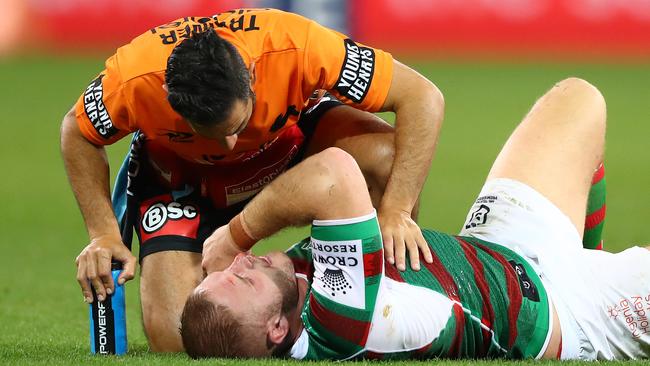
367, 230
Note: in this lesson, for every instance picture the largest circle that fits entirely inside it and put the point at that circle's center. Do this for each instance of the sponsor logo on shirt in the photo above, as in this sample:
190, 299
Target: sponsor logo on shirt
246, 189
96, 110
339, 271
334, 280
357, 71
176, 136
634, 311
528, 288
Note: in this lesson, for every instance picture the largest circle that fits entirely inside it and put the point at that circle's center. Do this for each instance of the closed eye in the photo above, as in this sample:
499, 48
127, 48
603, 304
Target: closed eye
245, 279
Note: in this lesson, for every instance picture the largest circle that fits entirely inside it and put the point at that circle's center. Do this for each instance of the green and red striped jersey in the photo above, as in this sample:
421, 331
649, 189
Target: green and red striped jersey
477, 299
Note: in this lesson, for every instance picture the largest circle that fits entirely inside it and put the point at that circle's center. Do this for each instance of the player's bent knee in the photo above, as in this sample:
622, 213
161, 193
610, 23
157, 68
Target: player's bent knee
340, 181
577, 87
336, 160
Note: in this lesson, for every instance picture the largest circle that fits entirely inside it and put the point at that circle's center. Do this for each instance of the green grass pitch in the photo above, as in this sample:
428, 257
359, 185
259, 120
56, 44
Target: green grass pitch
42, 317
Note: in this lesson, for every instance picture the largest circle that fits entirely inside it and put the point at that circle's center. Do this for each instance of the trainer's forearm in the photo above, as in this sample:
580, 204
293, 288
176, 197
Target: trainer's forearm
88, 173
419, 114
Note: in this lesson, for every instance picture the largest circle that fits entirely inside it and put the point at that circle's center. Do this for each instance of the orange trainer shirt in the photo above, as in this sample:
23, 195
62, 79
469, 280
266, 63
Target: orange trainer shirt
293, 56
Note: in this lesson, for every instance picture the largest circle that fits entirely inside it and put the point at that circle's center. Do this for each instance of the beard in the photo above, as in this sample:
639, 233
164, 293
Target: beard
288, 290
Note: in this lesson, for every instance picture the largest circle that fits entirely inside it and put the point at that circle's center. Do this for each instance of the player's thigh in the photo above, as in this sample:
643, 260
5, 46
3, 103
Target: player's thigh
557, 146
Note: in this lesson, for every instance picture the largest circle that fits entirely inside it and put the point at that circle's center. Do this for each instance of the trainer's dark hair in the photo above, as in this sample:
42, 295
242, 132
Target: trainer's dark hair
210, 330
205, 75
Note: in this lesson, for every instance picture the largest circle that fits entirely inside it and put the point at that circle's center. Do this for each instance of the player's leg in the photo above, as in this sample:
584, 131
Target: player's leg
368, 138
557, 147
596, 211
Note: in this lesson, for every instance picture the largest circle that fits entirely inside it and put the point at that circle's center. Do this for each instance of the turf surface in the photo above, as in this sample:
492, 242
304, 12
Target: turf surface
42, 316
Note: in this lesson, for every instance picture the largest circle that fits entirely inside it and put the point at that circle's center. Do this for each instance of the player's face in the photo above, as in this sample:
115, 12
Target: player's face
227, 131
253, 285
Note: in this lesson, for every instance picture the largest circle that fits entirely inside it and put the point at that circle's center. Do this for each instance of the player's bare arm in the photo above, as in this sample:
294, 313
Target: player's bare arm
318, 189
87, 169
419, 110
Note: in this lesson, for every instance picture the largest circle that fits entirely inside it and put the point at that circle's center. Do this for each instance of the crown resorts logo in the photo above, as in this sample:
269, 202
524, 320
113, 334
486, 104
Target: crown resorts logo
334, 280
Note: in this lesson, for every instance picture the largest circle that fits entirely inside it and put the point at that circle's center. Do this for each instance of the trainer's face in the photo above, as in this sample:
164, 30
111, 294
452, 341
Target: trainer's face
253, 285
227, 131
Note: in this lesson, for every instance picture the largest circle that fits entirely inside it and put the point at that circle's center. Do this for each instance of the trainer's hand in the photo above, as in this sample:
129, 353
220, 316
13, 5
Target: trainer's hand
94, 266
219, 250
400, 233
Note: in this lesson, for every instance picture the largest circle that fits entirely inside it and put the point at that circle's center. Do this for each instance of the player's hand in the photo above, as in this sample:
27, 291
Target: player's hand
219, 250
94, 266
401, 234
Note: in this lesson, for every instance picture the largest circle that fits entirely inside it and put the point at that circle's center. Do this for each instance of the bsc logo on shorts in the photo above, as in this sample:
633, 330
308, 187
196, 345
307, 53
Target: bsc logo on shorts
157, 215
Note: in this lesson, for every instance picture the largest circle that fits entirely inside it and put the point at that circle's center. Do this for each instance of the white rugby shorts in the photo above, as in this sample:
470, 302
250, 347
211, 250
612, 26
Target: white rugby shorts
602, 299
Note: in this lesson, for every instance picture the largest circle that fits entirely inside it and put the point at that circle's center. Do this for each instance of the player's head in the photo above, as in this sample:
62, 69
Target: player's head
209, 85
244, 311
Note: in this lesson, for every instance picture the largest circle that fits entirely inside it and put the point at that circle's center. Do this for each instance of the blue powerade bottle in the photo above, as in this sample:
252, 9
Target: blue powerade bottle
108, 320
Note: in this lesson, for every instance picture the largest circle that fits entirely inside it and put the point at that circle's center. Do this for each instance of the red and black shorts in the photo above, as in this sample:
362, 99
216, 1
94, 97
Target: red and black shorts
178, 207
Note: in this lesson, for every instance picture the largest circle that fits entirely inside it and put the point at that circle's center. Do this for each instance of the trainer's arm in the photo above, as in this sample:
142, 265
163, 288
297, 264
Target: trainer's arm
88, 173
326, 186
419, 110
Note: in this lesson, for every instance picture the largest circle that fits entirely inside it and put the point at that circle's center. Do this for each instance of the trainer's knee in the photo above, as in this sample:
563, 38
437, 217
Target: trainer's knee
162, 330
376, 159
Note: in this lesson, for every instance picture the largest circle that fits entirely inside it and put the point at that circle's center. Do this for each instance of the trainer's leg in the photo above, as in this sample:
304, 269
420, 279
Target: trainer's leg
557, 147
167, 279
368, 138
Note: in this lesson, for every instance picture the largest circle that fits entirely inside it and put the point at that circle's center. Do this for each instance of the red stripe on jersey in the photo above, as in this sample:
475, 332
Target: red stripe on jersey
595, 218
448, 284
420, 353
454, 349
514, 293
487, 311
304, 267
599, 174
391, 272
355, 331
372, 263
373, 355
